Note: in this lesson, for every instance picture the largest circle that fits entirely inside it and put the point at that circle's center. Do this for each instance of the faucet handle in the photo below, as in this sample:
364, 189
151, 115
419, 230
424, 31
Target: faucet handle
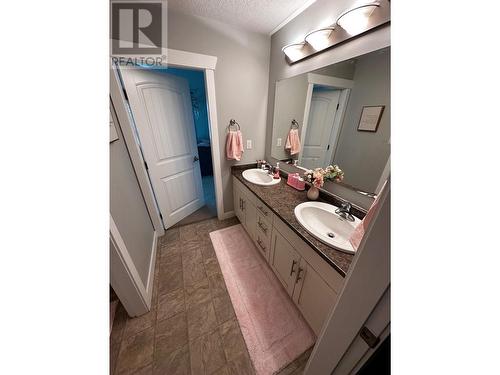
346, 206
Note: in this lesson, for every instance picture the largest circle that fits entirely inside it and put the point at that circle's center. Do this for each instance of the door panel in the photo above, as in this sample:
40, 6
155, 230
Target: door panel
161, 106
238, 204
319, 128
313, 296
284, 261
250, 215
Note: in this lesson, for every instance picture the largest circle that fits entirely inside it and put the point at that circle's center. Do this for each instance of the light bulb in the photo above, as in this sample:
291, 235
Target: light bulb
355, 20
294, 51
319, 39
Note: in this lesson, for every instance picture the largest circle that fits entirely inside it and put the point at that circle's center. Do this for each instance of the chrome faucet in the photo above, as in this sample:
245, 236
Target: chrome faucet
267, 167
344, 211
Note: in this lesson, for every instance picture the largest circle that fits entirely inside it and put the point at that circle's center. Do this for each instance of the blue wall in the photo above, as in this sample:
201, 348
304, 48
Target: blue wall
196, 81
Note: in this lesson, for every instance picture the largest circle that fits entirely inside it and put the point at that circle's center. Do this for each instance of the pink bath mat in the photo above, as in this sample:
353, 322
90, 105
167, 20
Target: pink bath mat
273, 328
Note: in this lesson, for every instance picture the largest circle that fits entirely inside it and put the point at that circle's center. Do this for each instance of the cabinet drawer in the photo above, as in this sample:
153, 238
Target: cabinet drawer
264, 210
263, 226
263, 244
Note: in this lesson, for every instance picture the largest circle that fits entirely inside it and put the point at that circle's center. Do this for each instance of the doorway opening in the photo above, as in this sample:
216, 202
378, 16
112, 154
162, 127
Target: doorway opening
196, 81
171, 121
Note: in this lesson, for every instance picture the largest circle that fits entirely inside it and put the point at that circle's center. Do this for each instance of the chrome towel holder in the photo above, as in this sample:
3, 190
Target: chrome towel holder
233, 122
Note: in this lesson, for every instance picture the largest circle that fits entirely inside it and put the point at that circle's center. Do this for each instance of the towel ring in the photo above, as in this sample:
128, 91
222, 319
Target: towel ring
233, 122
295, 124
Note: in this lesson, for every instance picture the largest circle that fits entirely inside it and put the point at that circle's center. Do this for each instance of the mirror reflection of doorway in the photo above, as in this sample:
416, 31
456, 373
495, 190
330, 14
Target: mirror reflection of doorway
320, 129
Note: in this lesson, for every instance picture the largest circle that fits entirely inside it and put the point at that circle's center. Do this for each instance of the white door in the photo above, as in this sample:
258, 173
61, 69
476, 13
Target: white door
161, 106
319, 128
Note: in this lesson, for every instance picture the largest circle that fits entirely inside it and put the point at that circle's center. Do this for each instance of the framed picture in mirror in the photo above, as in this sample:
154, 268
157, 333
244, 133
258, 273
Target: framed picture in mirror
370, 118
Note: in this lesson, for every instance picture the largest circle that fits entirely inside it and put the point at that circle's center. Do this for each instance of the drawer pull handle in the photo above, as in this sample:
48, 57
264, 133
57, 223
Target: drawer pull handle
262, 226
292, 270
261, 245
262, 209
299, 277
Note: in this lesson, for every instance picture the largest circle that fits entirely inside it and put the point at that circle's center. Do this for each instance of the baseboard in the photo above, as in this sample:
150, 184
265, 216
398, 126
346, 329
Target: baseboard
151, 272
227, 215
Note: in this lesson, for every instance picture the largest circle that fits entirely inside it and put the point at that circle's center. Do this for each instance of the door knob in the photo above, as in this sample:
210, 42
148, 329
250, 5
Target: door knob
195, 159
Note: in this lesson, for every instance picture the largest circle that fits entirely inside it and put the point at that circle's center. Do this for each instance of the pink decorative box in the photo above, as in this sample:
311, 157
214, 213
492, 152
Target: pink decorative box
295, 181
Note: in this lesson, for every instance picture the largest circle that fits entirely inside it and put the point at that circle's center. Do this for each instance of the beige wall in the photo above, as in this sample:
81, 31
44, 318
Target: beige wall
363, 155
290, 101
241, 81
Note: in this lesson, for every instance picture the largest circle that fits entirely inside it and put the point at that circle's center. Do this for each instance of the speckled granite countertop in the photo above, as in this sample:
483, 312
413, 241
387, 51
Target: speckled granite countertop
282, 199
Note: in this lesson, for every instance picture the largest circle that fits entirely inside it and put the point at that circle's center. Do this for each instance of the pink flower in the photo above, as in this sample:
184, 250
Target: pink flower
318, 180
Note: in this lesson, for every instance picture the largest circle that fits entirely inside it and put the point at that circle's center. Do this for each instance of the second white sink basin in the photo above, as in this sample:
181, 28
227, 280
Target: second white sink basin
321, 221
260, 177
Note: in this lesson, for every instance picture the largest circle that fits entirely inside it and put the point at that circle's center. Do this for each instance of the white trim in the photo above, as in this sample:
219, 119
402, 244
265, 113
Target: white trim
214, 140
306, 5
125, 124
151, 270
319, 79
190, 59
310, 88
227, 215
186, 59
125, 280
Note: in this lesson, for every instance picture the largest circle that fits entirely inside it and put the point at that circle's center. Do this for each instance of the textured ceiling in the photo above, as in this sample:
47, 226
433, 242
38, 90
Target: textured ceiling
261, 16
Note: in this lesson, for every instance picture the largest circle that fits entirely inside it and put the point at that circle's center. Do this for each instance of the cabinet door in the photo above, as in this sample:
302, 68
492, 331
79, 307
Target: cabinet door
313, 296
238, 204
250, 217
284, 261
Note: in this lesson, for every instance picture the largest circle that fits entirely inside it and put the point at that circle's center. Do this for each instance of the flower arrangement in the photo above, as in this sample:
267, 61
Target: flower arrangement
318, 176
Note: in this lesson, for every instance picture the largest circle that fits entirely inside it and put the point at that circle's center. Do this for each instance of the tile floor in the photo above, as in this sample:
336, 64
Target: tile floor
191, 328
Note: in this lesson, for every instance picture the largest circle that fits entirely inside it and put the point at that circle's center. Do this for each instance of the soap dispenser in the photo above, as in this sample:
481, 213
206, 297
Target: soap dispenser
276, 175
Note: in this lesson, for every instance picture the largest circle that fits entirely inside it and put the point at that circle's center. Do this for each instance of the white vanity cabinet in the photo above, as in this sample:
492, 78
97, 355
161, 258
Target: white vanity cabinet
309, 280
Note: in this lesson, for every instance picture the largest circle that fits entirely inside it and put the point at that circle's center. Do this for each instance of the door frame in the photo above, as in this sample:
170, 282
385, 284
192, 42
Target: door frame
345, 85
179, 59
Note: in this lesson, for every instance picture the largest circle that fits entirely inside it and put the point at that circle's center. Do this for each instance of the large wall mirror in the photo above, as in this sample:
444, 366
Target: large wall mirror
342, 116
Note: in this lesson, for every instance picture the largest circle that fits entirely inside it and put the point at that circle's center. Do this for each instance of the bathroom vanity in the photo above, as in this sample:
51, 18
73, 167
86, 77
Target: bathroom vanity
311, 272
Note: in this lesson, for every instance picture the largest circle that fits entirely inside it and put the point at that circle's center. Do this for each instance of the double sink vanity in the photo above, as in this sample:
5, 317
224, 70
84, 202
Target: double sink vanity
305, 243
341, 116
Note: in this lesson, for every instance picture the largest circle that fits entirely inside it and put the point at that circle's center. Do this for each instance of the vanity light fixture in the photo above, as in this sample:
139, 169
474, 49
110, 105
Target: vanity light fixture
319, 39
355, 20
364, 16
294, 51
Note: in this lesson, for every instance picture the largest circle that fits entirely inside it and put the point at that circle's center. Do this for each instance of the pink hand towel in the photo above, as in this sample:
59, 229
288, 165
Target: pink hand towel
359, 231
234, 145
293, 142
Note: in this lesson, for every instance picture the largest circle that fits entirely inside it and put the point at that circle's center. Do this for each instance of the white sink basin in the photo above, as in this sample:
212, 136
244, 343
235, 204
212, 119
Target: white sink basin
321, 221
260, 177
